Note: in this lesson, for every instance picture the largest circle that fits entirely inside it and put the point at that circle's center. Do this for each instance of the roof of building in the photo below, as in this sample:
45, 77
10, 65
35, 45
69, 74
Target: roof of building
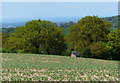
75, 53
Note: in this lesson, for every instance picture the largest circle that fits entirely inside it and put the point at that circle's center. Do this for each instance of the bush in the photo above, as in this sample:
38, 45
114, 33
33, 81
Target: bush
113, 44
86, 53
20, 51
8, 51
66, 53
114, 51
0, 50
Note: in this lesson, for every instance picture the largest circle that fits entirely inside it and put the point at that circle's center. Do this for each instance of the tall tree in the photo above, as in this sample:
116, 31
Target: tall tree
37, 36
88, 30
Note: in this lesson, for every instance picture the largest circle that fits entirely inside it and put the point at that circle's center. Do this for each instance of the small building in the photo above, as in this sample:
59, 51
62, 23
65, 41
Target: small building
74, 54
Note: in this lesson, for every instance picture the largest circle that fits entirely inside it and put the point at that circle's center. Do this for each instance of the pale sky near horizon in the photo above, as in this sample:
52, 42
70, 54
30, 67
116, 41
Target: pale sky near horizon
59, 0
58, 9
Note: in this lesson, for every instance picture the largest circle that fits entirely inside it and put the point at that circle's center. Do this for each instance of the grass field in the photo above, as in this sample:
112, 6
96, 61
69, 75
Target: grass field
35, 67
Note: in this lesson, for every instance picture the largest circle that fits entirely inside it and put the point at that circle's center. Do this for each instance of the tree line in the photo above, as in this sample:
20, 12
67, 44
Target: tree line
115, 20
91, 36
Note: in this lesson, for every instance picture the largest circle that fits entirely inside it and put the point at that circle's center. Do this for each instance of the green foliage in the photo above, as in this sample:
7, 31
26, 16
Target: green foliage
115, 20
66, 26
20, 51
8, 31
88, 30
7, 51
66, 53
37, 36
98, 50
1, 39
0, 29
85, 52
113, 44
91, 37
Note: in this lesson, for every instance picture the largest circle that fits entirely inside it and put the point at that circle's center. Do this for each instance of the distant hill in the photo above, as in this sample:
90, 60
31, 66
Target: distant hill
65, 23
13, 25
7, 23
7, 31
115, 20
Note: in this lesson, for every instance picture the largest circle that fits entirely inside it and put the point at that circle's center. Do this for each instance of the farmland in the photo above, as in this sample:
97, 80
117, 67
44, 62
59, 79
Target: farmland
36, 67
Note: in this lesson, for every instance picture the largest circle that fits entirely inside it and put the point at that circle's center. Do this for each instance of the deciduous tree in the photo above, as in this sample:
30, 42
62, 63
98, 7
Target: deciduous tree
37, 36
88, 30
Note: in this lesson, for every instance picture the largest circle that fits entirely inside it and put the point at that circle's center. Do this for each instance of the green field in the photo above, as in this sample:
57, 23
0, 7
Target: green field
36, 67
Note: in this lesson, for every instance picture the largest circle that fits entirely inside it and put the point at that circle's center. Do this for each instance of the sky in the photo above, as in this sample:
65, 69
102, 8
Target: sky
59, 0
58, 9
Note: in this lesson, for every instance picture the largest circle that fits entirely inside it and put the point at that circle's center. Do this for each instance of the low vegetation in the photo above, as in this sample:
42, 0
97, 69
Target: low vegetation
35, 67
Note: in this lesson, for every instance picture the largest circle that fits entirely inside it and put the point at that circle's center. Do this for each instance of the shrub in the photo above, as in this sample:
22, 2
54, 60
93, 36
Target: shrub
20, 51
85, 52
8, 51
66, 53
113, 44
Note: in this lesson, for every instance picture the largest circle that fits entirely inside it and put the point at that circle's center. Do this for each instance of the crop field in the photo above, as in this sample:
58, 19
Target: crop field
36, 67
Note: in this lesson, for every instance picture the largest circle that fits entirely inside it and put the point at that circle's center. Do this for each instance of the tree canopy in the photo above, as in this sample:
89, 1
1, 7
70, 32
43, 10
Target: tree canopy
91, 36
87, 31
113, 44
37, 36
